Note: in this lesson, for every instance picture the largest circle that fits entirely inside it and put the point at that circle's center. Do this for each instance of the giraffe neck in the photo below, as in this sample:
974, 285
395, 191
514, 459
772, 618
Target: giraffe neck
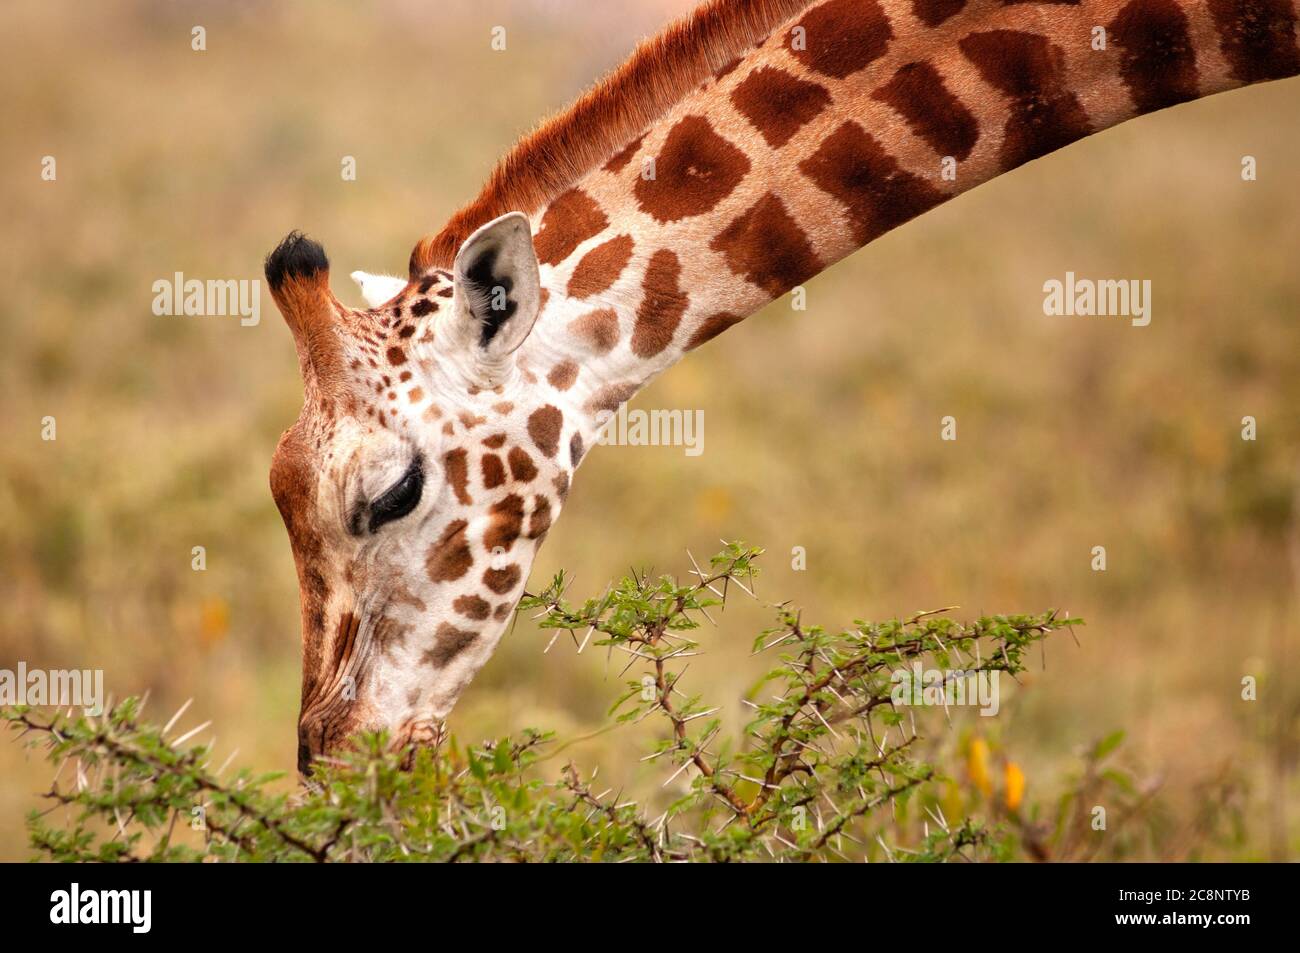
850, 119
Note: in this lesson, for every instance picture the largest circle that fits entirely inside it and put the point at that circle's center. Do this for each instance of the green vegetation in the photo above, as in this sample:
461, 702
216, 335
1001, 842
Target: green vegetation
826, 768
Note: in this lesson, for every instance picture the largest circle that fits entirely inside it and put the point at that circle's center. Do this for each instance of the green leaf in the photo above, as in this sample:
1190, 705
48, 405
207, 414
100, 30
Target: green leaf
1107, 744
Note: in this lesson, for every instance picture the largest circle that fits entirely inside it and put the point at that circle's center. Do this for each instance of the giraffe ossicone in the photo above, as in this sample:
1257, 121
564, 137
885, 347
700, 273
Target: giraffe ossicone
441, 426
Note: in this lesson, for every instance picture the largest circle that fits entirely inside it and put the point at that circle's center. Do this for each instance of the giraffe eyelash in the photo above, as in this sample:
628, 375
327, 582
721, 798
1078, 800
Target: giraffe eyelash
400, 499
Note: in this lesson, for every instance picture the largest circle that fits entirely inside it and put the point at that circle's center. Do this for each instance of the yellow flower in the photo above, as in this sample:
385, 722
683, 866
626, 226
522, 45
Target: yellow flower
977, 765
1015, 785
713, 505
214, 620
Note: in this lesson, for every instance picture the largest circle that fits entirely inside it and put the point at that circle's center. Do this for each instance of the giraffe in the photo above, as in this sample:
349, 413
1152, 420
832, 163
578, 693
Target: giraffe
730, 159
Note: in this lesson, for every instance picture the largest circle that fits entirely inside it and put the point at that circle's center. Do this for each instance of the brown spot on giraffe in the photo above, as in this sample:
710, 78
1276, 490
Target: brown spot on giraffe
918, 94
449, 558
544, 427
540, 521
843, 36
600, 267
695, 170
569, 221
610, 396
396, 355
562, 375
1157, 60
388, 634
662, 305
506, 519
599, 329
1030, 70
494, 471
1257, 37
522, 467
403, 596
473, 607
450, 642
778, 104
501, 581
621, 158
766, 246
934, 12
575, 451
456, 465
727, 68
711, 327
879, 195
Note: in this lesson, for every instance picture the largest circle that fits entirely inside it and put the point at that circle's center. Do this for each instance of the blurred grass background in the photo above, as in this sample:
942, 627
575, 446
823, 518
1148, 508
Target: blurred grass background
822, 426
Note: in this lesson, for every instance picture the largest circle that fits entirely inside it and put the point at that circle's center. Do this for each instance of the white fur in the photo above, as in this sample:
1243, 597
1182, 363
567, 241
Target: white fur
377, 289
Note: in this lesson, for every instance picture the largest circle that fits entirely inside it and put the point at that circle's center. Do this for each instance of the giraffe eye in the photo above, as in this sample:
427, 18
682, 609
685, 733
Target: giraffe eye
399, 499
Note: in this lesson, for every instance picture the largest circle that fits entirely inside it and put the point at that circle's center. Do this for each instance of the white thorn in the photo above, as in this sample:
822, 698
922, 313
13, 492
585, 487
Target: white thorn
176, 717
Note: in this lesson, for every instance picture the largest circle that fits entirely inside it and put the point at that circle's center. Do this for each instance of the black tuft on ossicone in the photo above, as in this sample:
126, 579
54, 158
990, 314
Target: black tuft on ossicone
295, 257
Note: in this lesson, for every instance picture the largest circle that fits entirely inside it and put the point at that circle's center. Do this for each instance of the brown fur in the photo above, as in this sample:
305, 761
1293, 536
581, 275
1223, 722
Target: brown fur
611, 114
311, 311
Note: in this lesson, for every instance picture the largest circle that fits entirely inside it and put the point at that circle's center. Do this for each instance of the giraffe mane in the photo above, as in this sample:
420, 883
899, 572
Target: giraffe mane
620, 106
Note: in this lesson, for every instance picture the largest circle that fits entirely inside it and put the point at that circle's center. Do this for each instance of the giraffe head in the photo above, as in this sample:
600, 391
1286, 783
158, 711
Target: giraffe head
419, 480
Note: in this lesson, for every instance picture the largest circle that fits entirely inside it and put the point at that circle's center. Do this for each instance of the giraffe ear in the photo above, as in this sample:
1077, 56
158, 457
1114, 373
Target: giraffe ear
497, 287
